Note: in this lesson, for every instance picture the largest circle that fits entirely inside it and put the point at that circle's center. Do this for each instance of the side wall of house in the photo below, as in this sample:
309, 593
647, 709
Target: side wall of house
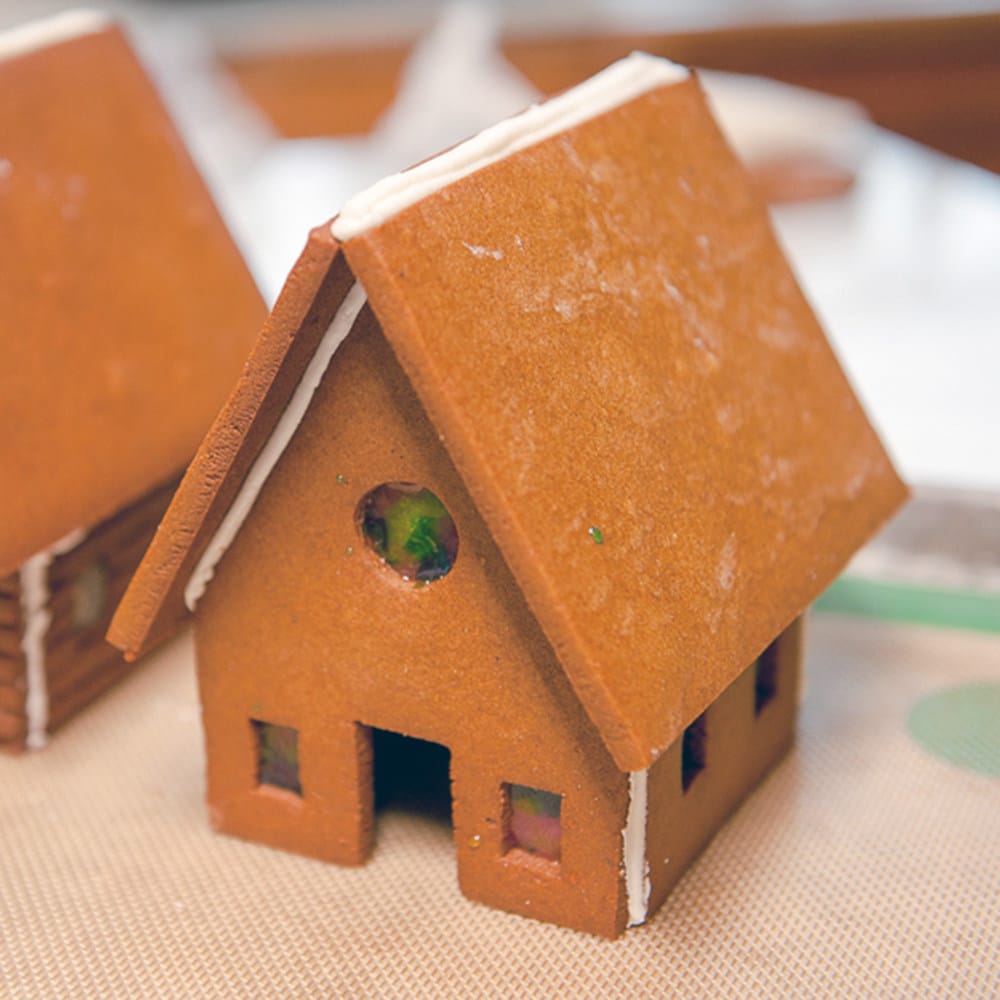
705, 775
303, 627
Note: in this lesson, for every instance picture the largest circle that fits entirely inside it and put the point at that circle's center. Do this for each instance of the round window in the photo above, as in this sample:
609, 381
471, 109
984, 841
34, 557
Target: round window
410, 530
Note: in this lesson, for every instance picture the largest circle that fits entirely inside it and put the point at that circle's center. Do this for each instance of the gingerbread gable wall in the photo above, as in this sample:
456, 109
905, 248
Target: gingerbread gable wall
305, 627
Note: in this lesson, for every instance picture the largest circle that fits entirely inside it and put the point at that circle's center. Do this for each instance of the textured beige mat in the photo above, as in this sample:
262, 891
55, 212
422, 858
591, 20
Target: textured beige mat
866, 866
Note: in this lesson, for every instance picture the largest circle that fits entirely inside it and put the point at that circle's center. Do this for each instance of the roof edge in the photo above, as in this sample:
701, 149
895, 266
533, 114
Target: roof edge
153, 606
279, 438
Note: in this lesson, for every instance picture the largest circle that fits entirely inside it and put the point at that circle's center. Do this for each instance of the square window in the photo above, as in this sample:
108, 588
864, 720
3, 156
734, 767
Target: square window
533, 821
277, 755
765, 677
693, 751
89, 596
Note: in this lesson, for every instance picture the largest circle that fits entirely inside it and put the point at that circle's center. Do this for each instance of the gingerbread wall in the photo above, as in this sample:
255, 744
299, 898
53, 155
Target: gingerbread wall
743, 733
304, 627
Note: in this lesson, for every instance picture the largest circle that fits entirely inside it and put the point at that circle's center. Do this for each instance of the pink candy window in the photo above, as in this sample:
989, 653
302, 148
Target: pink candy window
534, 822
277, 756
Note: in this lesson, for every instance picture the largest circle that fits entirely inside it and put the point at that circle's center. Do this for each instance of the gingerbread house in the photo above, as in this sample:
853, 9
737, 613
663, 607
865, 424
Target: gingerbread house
539, 457
124, 317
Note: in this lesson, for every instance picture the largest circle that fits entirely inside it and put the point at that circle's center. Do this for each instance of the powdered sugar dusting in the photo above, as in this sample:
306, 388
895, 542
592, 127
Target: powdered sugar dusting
727, 564
478, 251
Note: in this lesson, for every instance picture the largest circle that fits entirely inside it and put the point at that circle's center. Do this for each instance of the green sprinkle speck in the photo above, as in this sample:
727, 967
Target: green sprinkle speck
349, 550
597, 535
342, 480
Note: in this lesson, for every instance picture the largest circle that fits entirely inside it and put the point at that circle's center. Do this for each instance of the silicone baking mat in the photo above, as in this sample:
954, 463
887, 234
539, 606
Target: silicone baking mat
868, 864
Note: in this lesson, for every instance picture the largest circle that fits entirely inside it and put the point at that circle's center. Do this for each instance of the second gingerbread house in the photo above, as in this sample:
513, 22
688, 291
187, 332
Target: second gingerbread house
125, 314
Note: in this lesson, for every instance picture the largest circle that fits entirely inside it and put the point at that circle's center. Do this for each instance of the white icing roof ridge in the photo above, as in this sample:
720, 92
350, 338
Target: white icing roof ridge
27, 38
618, 83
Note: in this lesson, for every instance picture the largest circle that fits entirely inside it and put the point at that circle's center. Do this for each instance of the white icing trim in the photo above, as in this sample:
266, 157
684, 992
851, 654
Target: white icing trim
34, 574
340, 327
68, 542
637, 881
70, 24
618, 83
37, 618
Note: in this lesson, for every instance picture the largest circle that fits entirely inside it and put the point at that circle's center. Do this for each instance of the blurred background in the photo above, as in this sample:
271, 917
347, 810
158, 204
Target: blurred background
871, 126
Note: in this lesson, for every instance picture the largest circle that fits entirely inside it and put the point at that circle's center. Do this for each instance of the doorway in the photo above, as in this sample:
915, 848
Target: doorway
411, 776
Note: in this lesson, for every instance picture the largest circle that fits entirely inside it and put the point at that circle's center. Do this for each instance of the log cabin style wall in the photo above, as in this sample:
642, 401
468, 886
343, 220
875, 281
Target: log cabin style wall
84, 586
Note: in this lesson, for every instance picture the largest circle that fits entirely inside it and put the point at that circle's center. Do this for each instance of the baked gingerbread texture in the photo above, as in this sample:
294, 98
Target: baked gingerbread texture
591, 354
124, 316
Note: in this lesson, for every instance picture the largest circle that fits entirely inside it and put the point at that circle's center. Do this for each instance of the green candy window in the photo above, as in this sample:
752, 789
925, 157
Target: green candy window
410, 530
533, 821
277, 755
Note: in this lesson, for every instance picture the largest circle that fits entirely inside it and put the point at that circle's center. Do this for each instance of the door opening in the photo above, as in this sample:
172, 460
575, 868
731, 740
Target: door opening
411, 776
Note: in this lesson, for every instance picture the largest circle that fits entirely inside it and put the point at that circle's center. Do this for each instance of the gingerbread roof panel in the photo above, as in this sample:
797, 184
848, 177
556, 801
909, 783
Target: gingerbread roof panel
126, 311
639, 399
617, 357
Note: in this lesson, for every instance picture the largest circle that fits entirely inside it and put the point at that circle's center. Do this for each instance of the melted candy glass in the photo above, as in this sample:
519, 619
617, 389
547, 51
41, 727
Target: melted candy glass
89, 596
535, 822
410, 530
277, 756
